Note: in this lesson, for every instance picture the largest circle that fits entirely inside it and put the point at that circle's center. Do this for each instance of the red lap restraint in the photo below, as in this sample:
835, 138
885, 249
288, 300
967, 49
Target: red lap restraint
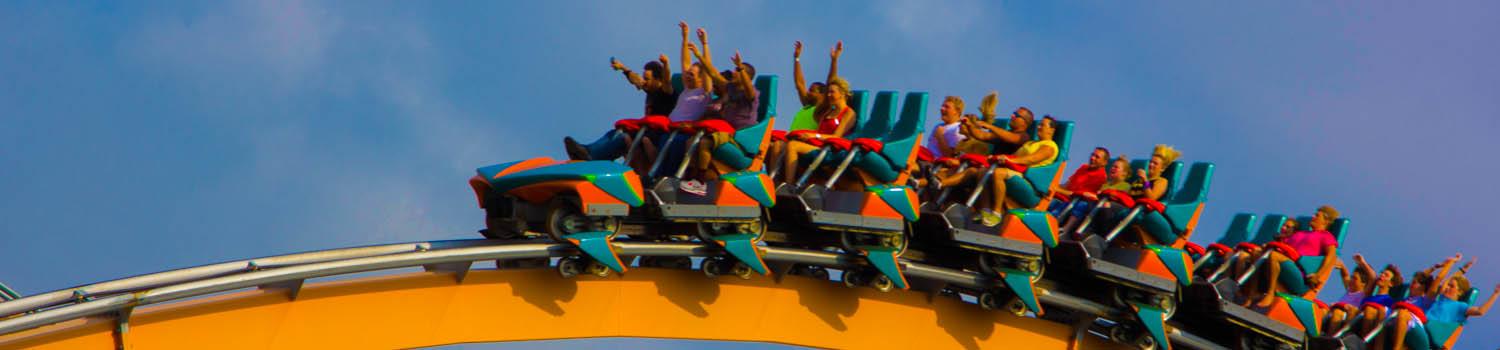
1151, 204
656, 122
1118, 196
1222, 249
838, 143
975, 160
778, 135
714, 126
1415, 310
629, 125
869, 144
925, 155
1284, 249
1194, 249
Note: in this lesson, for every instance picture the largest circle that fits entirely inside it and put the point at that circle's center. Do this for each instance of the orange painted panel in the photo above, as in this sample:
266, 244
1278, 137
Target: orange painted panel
428, 309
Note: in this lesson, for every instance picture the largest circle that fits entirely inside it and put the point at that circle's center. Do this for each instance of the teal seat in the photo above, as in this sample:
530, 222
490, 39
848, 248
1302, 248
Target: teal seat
1039, 179
748, 142
859, 100
1181, 207
876, 123
899, 146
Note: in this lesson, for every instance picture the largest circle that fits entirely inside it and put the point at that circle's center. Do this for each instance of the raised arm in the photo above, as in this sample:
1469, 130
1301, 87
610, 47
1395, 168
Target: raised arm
1370, 273
707, 58
742, 77
833, 63
634, 79
1481, 310
708, 86
1441, 276
687, 58
797, 78
664, 82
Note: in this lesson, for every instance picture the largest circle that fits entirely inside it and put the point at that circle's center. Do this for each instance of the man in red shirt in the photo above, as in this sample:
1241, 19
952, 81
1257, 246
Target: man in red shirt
1088, 178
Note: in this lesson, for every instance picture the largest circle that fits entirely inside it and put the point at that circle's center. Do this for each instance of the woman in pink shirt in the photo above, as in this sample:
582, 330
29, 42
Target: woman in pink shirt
1286, 275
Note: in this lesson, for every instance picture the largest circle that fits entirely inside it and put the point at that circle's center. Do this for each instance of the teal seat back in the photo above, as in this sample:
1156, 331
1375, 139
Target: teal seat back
677, 82
1183, 205
1269, 229
859, 101
749, 139
766, 85
880, 118
1041, 177
1239, 229
901, 142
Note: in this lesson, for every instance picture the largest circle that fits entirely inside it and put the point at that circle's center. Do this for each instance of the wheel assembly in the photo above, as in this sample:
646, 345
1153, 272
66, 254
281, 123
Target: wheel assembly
569, 267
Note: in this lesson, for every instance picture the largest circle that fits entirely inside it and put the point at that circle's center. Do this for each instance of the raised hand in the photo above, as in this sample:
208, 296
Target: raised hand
683, 25
797, 49
702, 35
736, 58
1359, 258
616, 65
838, 49
692, 48
1141, 173
662, 58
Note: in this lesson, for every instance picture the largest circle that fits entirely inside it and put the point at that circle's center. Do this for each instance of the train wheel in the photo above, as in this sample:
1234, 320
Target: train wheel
883, 283
565, 216
989, 300
568, 267
1036, 267
1144, 342
597, 269
1016, 307
817, 272
711, 267
1120, 333
742, 271
853, 278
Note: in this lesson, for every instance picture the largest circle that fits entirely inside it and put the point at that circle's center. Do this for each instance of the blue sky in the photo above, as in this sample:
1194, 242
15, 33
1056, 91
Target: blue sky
142, 137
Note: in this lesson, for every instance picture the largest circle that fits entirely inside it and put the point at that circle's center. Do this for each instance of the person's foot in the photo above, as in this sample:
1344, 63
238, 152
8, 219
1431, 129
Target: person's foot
1266, 302
575, 150
694, 186
989, 217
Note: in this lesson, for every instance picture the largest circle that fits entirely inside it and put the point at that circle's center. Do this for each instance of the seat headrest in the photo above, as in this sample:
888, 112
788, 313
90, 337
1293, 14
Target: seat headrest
859, 101
881, 117
913, 116
1064, 139
1195, 190
1239, 229
766, 86
1269, 228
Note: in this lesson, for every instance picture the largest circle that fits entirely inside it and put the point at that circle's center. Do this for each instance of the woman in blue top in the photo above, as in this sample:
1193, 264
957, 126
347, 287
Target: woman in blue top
1447, 309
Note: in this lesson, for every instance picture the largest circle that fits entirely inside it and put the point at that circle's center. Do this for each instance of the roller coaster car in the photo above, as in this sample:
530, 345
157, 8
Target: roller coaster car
1011, 251
1215, 297
576, 202
869, 217
728, 215
1143, 277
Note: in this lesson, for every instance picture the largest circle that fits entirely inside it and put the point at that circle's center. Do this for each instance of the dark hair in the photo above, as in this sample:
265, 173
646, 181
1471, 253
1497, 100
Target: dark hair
657, 69
1106, 151
749, 69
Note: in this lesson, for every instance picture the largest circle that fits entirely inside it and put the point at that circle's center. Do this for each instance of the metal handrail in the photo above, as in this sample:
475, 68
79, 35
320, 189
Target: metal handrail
215, 278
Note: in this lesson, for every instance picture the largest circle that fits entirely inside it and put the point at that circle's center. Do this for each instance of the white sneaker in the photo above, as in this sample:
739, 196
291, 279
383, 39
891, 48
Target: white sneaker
695, 187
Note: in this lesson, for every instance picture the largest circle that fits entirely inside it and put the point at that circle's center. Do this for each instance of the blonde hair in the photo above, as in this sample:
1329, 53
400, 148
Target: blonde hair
1463, 283
1167, 153
958, 103
839, 83
987, 106
1329, 211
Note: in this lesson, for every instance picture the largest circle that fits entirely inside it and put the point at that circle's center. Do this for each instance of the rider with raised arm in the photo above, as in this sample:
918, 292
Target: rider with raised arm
738, 106
811, 95
835, 121
1035, 153
660, 100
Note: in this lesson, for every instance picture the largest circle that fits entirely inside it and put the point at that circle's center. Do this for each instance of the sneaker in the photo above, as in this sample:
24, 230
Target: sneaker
695, 187
989, 217
575, 150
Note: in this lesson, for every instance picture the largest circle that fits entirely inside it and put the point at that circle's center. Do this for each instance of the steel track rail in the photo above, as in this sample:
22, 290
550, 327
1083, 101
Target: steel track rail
113, 297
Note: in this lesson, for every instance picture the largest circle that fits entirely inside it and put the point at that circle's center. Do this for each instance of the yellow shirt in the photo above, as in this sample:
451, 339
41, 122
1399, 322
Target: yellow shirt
1031, 147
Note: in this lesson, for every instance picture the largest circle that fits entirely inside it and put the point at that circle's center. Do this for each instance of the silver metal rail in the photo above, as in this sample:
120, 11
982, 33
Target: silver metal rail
122, 296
